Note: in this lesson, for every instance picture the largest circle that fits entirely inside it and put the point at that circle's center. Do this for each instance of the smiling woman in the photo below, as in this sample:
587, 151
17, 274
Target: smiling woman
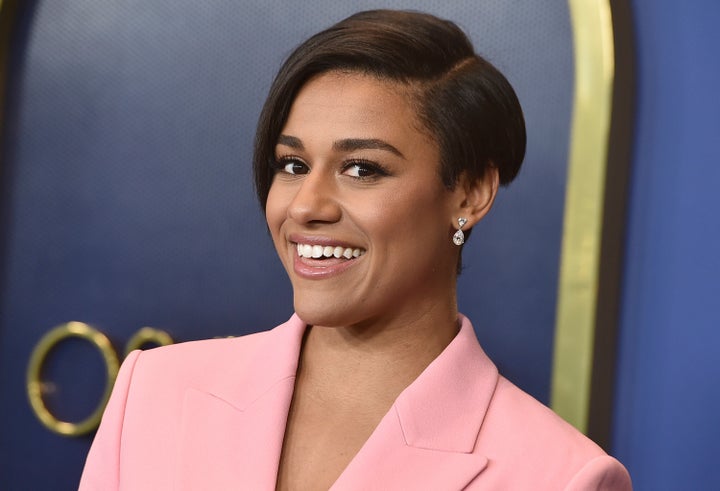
365, 178
383, 141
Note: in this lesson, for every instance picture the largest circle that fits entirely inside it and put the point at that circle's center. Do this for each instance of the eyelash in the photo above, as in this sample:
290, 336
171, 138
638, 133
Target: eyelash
377, 170
280, 163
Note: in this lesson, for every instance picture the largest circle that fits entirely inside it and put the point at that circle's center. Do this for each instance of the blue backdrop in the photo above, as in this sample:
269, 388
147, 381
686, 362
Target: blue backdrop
668, 393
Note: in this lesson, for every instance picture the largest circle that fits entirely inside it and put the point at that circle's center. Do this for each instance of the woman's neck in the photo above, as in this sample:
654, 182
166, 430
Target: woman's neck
373, 362
347, 380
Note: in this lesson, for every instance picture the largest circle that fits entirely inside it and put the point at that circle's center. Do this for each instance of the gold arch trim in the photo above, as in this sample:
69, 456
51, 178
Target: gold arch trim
582, 227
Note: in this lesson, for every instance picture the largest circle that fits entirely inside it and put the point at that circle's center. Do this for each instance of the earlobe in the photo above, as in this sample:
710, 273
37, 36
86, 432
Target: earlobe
477, 197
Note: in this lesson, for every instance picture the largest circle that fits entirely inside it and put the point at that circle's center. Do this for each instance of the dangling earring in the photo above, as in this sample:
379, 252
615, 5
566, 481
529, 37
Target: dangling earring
459, 237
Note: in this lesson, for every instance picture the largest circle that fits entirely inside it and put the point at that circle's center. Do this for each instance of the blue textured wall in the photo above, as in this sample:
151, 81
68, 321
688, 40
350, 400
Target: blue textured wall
668, 400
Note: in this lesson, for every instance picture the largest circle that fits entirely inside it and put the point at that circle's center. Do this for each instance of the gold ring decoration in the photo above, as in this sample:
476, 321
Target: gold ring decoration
147, 335
34, 384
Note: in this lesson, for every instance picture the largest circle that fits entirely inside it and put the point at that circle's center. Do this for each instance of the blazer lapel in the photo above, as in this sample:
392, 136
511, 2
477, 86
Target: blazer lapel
427, 439
231, 431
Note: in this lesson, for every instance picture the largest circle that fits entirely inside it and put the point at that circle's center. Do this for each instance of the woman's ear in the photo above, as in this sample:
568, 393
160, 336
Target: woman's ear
474, 198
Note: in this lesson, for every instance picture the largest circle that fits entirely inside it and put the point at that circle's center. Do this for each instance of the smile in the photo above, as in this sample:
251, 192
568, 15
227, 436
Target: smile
325, 252
324, 260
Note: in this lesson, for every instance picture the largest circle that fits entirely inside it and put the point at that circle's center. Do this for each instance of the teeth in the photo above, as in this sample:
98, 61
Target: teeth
306, 251
318, 251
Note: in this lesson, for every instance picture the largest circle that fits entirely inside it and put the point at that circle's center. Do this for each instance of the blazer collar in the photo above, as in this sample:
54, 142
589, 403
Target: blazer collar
427, 437
232, 428
426, 440
275, 359
444, 408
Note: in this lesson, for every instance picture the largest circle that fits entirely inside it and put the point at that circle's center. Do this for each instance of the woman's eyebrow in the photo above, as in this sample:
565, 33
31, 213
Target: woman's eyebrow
350, 144
345, 145
290, 141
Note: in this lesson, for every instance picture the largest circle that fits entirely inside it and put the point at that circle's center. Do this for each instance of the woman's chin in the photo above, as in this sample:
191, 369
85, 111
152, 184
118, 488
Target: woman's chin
318, 317
327, 314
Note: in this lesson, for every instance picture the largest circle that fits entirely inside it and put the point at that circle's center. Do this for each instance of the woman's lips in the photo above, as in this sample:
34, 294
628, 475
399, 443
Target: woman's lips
316, 261
318, 251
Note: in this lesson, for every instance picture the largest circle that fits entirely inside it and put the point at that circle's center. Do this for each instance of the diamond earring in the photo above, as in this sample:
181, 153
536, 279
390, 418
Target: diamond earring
459, 237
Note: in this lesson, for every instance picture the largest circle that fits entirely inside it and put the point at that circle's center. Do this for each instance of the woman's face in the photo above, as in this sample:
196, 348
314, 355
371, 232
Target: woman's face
357, 211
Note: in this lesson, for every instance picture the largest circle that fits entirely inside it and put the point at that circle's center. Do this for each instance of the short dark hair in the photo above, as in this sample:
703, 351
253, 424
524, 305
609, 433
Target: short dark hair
464, 102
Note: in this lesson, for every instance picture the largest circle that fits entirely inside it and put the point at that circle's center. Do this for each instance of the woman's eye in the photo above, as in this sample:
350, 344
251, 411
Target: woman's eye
292, 166
363, 170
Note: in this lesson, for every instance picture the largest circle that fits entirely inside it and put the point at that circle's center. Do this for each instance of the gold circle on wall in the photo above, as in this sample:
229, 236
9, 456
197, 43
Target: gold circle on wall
34, 384
147, 335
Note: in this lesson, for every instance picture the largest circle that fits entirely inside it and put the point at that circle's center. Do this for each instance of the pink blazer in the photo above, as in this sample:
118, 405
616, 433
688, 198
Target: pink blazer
210, 415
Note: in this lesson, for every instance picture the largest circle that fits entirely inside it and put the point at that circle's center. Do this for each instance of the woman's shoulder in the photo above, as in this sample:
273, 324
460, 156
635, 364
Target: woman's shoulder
213, 361
522, 433
203, 348
220, 350
172, 368
519, 414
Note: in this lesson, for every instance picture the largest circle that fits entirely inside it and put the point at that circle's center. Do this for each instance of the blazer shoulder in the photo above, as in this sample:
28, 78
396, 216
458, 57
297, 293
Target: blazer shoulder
602, 473
191, 350
536, 425
158, 393
525, 439
194, 360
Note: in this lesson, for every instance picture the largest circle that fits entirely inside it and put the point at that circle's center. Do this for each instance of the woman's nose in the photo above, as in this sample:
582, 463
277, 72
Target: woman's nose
315, 200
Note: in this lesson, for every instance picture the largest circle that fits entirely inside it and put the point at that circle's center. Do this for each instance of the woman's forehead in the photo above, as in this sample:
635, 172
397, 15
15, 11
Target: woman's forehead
356, 104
